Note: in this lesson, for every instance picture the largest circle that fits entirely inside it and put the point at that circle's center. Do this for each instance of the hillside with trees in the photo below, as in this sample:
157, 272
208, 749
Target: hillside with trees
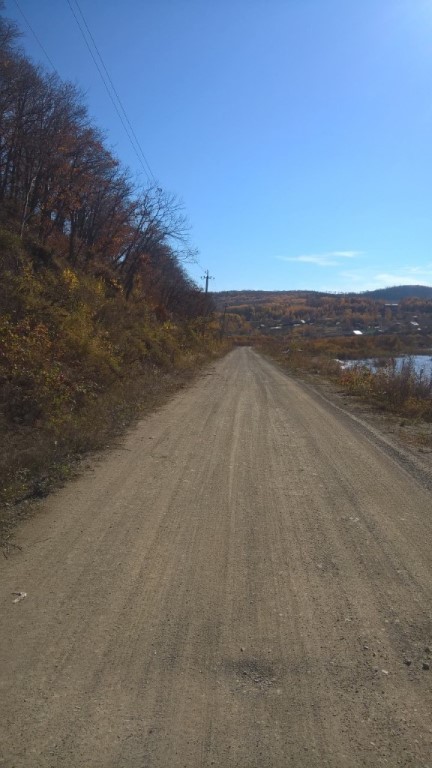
400, 292
98, 316
311, 314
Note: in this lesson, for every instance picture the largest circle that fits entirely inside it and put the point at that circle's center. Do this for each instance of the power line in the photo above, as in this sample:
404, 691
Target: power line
105, 84
114, 90
129, 135
43, 49
198, 264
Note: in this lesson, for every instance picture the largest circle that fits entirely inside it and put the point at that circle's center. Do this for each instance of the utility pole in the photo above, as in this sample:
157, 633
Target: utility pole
207, 276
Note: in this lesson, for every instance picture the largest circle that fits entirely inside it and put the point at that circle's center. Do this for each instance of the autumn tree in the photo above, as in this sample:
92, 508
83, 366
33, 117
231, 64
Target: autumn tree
60, 184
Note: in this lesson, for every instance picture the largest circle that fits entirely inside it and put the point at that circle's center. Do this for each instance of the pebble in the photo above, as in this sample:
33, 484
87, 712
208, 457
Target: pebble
426, 665
408, 662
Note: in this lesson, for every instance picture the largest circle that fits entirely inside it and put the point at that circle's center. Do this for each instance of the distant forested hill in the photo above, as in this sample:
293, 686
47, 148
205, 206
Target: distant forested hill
237, 298
251, 298
399, 292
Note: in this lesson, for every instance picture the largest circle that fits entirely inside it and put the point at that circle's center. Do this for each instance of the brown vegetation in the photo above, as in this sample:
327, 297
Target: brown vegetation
399, 389
390, 386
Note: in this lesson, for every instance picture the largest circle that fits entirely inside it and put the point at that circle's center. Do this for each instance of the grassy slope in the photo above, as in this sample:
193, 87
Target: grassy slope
77, 363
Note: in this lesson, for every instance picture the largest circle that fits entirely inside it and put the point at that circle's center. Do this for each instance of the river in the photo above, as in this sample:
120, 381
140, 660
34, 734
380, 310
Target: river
422, 363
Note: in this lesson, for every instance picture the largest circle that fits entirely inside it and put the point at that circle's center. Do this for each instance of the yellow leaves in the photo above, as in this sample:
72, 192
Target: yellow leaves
99, 288
358, 380
71, 279
168, 325
24, 339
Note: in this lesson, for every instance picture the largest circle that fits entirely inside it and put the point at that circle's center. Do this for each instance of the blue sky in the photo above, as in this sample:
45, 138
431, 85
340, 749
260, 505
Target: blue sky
298, 133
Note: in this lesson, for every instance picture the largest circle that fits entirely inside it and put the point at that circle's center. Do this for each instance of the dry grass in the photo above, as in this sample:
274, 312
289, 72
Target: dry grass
391, 387
398, 389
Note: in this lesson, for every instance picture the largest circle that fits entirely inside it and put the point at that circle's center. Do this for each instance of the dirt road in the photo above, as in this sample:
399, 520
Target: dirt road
246, 582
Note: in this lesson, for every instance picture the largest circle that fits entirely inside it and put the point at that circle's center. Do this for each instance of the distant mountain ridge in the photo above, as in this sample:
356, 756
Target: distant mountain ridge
390, 294
398, 292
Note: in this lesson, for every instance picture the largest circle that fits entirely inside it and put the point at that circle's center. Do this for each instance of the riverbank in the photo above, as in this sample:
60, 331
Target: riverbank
400, 390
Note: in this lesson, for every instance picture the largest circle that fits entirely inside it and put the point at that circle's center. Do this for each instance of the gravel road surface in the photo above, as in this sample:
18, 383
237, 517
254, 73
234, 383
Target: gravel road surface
245, 581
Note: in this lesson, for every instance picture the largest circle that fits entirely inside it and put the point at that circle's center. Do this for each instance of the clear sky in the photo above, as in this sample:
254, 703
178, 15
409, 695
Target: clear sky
298, 133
